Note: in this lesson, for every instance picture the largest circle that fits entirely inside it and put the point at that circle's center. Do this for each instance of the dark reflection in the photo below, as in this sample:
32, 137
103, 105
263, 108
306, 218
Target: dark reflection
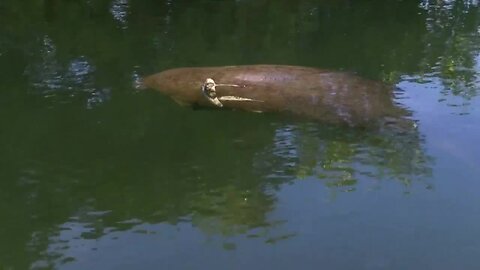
342, 157
83, 154
218, 172
59, 82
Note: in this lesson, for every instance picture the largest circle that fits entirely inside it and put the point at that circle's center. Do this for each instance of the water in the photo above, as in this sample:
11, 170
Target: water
97, 175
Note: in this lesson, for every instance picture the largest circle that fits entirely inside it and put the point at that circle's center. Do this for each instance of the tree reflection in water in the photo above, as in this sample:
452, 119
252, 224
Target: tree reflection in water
220, 184
135, 159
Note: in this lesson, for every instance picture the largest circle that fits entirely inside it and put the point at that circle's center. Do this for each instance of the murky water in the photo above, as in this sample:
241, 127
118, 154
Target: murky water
97, 175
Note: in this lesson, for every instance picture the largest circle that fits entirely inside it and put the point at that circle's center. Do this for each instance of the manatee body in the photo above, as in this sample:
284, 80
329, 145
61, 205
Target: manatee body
326, 96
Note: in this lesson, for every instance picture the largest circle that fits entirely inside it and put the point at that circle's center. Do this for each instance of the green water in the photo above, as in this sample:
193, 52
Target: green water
97, 175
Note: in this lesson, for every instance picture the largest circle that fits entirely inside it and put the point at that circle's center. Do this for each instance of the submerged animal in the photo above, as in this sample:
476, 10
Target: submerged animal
322, 95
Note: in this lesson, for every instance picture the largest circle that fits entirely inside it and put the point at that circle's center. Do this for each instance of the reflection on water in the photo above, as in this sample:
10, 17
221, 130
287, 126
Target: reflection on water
93, 169
440, 41
452, 46
61, 81
215, 196
47, 71
119, 11
340, 157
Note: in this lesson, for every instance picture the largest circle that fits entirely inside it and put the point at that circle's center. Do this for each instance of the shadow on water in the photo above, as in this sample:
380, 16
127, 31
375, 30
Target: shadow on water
83, 153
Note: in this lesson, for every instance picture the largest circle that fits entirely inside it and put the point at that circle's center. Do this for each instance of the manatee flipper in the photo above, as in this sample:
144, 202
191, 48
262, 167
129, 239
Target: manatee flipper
208, 90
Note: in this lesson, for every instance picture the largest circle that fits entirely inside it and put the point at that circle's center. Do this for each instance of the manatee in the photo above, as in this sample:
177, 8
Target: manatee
322, 95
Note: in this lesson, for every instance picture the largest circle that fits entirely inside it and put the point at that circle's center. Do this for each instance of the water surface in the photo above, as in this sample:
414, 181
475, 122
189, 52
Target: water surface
95, 174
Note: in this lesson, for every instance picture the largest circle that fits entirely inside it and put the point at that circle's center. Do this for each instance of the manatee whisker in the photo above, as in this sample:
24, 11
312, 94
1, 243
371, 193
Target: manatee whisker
232, 85
235, 98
